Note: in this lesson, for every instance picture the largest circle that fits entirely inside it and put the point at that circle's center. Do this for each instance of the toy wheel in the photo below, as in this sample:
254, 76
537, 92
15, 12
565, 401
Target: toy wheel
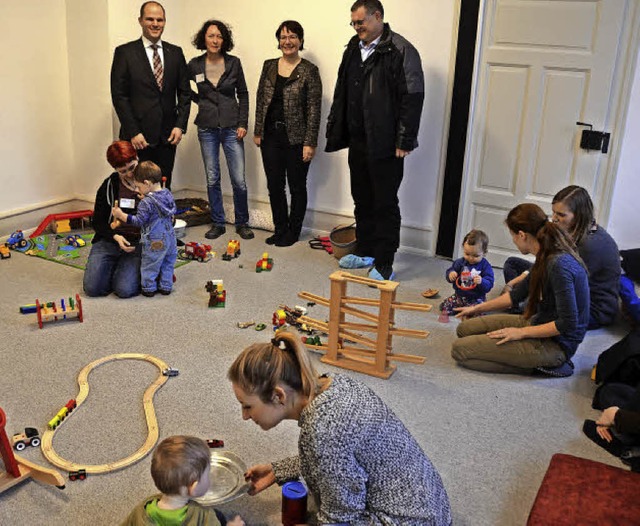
19, 446
200, 259
35, 442
238, 253
23, 243
72, 476
83, 476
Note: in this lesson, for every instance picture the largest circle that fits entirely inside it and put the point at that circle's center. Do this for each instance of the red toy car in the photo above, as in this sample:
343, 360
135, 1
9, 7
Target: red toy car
198, 251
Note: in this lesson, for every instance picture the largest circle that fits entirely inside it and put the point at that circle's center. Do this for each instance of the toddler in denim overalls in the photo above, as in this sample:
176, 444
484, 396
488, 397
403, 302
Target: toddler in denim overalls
155, 218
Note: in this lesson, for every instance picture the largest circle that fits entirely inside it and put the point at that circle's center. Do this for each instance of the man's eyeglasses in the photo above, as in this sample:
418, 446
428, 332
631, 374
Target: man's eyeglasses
358, 23
289, 38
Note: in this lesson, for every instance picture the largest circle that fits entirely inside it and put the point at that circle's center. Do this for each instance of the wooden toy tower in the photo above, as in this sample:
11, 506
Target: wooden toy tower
372, 356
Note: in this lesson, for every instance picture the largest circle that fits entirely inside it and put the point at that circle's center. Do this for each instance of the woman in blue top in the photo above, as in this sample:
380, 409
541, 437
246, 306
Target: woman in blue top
557, 311
222, 120
573, 212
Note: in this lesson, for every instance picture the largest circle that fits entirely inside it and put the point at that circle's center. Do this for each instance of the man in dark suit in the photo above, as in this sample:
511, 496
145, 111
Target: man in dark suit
150, 91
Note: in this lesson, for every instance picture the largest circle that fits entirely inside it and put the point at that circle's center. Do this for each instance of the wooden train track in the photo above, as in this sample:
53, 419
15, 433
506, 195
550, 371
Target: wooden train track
149, 411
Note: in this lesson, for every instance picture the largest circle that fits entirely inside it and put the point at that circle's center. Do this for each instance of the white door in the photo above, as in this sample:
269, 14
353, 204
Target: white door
543, 65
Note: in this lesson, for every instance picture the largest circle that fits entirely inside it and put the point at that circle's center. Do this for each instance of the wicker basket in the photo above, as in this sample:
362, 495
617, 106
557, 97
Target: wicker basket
343, 240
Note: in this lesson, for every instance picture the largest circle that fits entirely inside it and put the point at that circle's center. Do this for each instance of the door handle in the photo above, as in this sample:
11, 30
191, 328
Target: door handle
594, 140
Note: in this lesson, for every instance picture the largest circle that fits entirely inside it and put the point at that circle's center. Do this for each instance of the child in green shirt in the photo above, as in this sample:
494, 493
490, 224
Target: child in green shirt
180, 470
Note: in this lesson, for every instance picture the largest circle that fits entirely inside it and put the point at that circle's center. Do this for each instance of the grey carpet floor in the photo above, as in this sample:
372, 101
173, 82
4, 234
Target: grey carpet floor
491, 437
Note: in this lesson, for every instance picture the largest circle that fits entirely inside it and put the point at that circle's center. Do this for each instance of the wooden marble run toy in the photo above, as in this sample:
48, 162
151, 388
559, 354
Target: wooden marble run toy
18, 469
149, 411
217, 294
50, 312
367, 355
265, 264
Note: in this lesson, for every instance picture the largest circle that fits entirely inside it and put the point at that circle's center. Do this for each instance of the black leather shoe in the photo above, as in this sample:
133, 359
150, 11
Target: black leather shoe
148, 293
287, 240
244, 232
215, 232
272, 240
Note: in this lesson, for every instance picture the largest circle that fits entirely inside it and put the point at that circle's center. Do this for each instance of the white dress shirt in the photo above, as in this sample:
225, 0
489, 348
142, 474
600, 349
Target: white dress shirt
365, 51
147, 47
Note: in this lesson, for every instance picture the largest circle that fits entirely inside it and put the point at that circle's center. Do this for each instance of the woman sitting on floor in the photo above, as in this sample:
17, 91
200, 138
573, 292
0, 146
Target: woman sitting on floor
618, 429
573, 212
359, 461
557, 312
114, 260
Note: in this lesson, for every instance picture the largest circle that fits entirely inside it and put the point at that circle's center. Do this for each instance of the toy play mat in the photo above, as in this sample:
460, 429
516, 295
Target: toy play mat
53, 247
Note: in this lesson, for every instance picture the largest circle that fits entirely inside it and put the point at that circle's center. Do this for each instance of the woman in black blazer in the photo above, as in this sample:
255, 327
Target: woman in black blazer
222, 120
286, 130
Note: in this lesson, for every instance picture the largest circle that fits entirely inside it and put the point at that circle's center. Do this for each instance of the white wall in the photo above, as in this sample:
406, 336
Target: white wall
89, 66
58, 118
35, 136
624, 219
429, 27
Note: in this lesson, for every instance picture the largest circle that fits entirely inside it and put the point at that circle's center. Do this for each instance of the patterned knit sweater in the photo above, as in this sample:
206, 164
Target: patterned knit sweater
361, 464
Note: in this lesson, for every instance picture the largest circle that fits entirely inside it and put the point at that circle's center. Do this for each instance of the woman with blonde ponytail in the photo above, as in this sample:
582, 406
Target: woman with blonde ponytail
556, 316
361, 464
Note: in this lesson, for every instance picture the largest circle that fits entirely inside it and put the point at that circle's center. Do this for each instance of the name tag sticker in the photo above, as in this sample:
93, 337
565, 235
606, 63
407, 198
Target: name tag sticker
127, 203
200, 77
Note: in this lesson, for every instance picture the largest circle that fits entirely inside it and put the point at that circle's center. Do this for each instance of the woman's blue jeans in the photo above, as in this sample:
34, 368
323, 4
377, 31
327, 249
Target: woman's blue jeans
210, 141
110, 269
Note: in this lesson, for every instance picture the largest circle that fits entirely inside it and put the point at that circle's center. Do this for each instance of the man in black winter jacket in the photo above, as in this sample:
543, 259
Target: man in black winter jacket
376, 114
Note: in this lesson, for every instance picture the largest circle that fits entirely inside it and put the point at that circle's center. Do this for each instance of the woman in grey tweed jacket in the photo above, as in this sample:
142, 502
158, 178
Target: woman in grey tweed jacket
286, 130
360, 462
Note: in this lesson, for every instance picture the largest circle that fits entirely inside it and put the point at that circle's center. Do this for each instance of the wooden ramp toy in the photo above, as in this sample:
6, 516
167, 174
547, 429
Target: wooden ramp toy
371, 355
18, 468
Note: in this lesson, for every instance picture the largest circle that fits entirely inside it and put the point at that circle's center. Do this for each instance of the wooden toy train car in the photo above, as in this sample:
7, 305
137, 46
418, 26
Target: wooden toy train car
62, 414
30, 437
81, 474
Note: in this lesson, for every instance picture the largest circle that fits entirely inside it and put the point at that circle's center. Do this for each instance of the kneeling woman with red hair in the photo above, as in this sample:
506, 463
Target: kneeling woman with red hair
114, 260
